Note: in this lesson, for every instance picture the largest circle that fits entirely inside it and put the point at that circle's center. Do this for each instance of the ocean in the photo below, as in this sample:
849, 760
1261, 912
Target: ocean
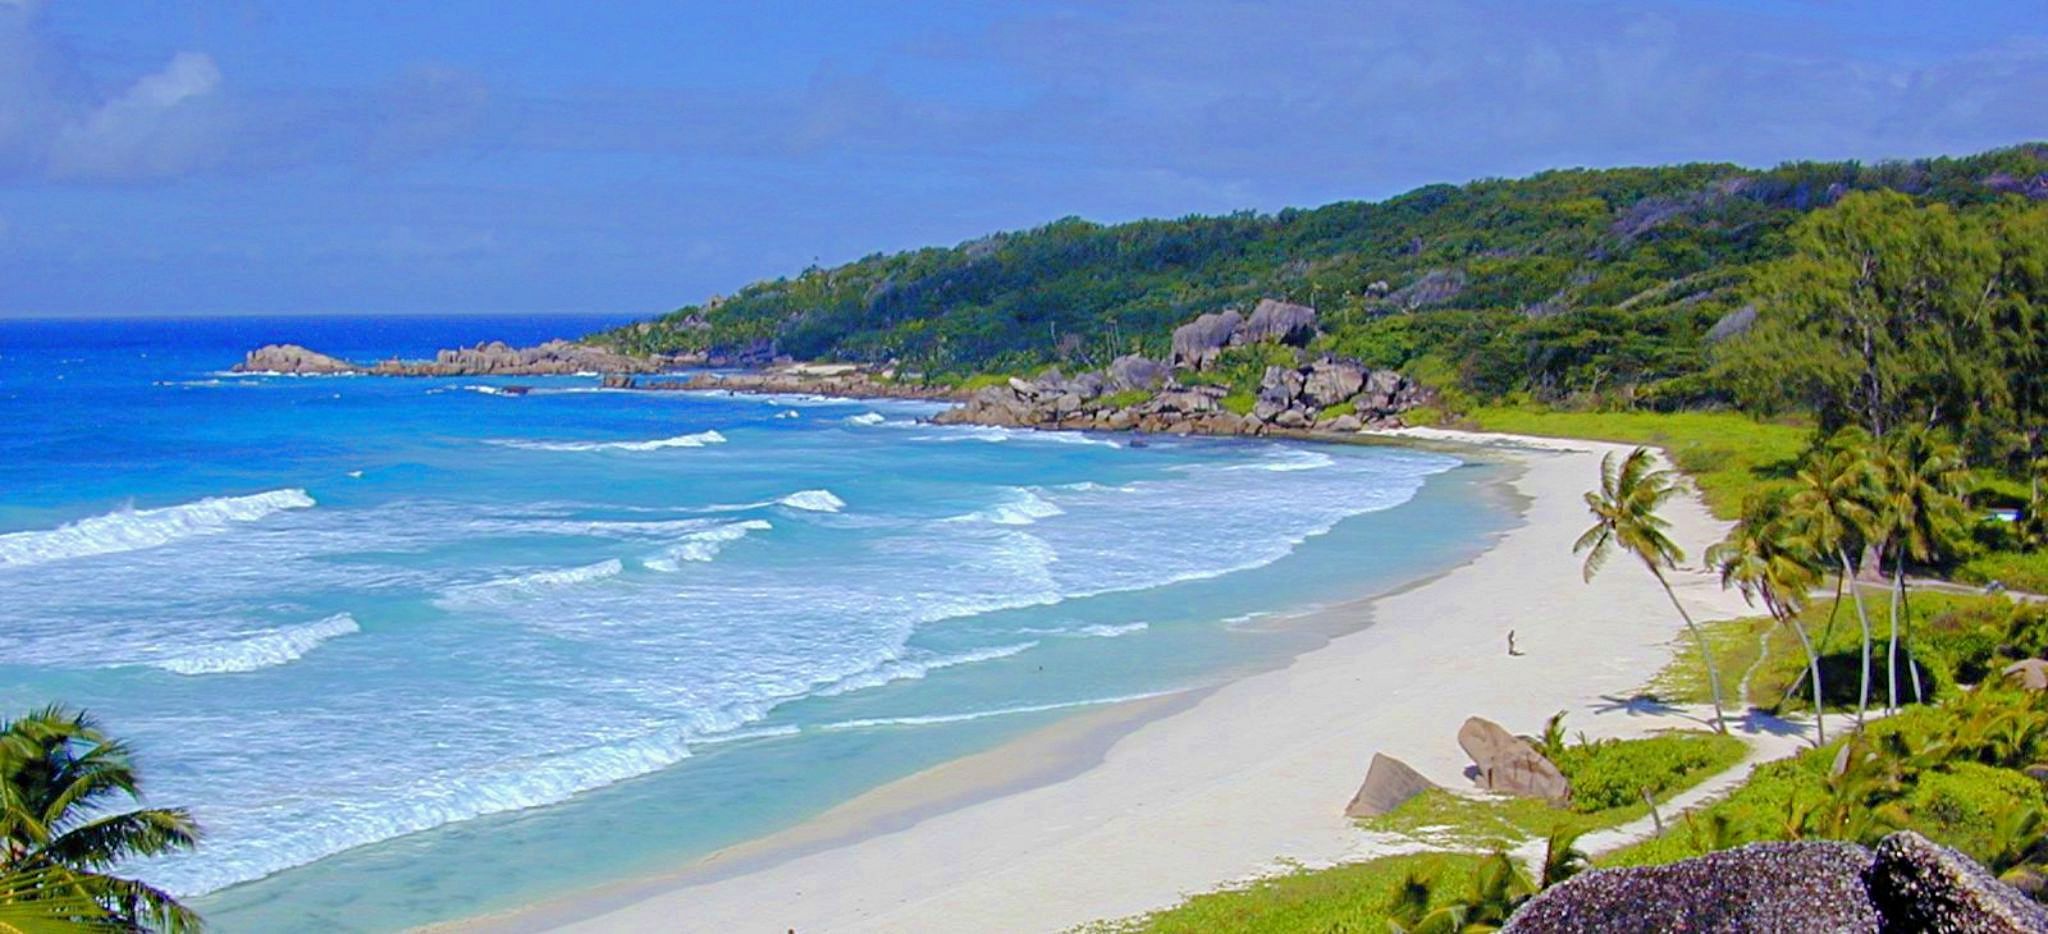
415, 649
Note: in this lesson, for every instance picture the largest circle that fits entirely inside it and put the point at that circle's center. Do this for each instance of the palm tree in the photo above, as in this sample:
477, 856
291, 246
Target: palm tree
1831, 503
1763, 557
1625, 516
1921, 480
59, 779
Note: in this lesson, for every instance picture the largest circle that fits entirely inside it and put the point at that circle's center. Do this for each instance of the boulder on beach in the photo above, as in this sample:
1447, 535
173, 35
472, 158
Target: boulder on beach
1132, 371
2028, 673
1389, 783
1507, 763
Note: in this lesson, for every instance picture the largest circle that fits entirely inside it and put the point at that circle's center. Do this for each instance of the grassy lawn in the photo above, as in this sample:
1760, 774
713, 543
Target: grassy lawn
1727, 455
2026, 571
1356, 896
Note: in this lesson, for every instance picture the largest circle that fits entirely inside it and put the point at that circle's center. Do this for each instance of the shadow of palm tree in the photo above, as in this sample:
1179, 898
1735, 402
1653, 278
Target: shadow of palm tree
1636, 705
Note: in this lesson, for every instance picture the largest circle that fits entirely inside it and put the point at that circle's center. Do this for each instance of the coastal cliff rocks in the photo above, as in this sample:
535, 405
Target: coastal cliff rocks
1199, 343
1328, 395
1908, 883
848, 382
1389, 783
1508, 763
495, 358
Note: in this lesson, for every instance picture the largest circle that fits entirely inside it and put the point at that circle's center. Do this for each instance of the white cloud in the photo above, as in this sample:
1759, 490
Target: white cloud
164, 124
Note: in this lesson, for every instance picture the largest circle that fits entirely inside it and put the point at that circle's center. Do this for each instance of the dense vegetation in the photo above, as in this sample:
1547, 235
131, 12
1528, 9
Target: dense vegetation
1566, 284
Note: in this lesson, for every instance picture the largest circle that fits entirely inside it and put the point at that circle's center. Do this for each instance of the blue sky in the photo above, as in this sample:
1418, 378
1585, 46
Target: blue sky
629, 157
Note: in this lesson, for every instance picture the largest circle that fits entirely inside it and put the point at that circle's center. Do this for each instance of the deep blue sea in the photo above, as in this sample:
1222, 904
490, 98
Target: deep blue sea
413, 649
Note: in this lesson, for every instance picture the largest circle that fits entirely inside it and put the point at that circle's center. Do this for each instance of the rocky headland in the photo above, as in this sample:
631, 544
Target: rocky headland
1195, 391
496, 358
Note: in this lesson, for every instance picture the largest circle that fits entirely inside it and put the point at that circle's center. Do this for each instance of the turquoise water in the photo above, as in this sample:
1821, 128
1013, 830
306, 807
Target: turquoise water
414, 649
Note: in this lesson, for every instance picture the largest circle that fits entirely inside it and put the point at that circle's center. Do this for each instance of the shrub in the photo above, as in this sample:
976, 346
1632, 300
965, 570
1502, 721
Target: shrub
1127, 398
1615, 773
1239, 403
1963, 804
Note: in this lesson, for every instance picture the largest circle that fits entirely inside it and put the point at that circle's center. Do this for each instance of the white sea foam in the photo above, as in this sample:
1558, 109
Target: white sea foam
930, 719
704, 545
533, 582
866, 418
813, 501
914, 667
132, 529
697, 440
261, 649
789, 413
1020, 506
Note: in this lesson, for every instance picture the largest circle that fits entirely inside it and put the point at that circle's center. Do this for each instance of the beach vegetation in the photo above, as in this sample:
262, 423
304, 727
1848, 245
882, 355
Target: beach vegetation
1126, 398
63, 834
1625, 517
1765, 557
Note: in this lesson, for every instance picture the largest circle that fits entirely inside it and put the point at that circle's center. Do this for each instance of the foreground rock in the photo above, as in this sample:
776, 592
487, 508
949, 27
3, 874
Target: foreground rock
496, 358
1508, 763
1907, 884
1389, 783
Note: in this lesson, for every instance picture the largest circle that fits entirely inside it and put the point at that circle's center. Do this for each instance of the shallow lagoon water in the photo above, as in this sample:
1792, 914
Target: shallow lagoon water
414, 649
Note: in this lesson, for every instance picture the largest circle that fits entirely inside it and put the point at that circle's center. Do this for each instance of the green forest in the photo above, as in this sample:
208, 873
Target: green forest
1591, 288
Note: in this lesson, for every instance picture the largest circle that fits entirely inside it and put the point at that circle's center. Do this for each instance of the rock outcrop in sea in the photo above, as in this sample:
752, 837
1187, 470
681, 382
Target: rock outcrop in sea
496, 358
1908, 883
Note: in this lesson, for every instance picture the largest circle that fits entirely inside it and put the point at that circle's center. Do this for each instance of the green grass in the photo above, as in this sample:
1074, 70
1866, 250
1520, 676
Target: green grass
1352, 899
2018, 570
1239, 403
1954, 634
1667, 764
983, 381
1127, 398
1355, 897
1729, 456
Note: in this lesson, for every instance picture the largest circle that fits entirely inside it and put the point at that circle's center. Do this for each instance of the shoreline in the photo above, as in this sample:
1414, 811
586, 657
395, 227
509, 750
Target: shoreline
1130, 808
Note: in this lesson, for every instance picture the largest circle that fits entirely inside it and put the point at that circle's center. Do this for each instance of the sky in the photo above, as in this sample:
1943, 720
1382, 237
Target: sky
630, 157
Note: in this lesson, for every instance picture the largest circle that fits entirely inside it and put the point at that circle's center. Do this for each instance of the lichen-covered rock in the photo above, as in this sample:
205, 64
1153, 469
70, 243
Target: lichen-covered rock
1920, 885
1282, 322
1799, 886
1199, 342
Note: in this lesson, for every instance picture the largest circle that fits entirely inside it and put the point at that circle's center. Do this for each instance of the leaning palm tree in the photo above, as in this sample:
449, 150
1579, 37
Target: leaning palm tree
1625, 516
59, 778
1832, 503
1921, 505
1763, 557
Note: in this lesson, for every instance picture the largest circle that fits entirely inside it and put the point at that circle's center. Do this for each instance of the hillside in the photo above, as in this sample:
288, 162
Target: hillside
1566, 283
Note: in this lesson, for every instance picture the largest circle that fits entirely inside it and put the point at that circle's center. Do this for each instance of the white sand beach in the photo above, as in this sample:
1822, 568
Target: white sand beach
1131, 808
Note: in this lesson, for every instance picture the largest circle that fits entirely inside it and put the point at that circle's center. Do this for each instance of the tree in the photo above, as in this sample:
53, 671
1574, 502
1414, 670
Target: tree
60, 777
1920, 481
1764, 557
1625, 516
1883, 313
1832, 502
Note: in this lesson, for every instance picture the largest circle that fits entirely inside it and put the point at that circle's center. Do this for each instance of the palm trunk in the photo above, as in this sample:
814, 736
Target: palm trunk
1820, 723
1863, 617
1826, 633
1891, 662
1706, 654
1912, 660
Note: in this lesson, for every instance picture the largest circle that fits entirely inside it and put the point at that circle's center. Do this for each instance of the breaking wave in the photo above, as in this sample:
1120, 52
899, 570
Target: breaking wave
260, 650
984, 714
703, 546
913, 668
813, 501
698, 440
1021, 506
132, 529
